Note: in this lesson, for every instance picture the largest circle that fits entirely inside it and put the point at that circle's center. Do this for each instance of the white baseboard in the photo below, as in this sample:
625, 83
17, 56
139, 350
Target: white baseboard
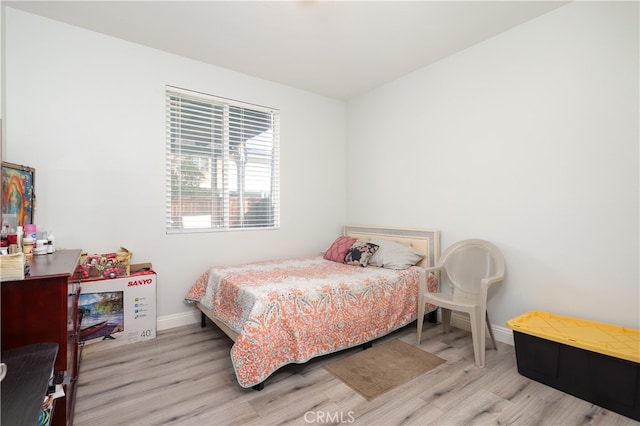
178, 320
502, 334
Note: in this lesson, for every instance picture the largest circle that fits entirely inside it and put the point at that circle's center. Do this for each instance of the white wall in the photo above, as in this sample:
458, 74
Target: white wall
530, 140
88, 112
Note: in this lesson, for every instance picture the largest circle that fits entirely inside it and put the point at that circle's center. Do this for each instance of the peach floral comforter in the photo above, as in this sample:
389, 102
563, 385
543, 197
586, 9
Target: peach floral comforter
289, 311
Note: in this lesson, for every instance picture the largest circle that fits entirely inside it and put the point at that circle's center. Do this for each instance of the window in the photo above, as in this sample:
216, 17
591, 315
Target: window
222, 164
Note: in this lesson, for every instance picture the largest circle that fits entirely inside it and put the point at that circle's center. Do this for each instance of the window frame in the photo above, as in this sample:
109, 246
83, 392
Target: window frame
234, 140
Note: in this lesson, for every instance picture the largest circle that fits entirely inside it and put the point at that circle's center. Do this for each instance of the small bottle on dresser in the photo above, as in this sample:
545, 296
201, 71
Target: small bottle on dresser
20, 234
4, 234
51, 245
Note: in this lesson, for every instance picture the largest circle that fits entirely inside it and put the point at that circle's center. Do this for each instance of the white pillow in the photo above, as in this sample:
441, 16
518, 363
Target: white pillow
392, 255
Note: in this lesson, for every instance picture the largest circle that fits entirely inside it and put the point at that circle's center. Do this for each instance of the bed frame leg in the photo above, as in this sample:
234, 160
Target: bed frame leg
203, 319
432, 317
258, 387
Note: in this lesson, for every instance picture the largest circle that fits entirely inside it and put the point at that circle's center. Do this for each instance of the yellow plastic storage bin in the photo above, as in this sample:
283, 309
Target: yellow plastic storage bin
597, 362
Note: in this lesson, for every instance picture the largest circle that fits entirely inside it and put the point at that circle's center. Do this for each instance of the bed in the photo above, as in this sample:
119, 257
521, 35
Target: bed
287, 311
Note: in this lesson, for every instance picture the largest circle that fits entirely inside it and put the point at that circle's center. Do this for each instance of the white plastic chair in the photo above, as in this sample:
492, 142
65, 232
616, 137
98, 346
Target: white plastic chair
472, 266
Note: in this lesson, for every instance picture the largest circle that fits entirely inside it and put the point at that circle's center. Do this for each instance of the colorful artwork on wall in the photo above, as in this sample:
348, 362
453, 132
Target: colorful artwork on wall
18, 194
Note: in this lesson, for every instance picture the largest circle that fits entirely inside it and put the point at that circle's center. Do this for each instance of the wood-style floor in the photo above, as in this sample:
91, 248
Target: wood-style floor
185, 377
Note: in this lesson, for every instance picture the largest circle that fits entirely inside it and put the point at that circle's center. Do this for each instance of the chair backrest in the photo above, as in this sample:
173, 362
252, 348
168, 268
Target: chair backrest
467, 262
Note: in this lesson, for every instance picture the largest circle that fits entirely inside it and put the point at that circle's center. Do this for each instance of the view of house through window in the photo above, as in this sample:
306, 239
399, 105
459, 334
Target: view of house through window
222, 164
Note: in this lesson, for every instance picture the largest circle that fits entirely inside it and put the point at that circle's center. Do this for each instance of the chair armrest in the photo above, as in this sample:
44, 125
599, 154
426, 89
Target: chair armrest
486, 282
432, 269
423, 284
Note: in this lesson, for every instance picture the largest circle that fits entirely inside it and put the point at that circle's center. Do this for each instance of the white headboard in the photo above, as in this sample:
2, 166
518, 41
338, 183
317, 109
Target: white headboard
424, 241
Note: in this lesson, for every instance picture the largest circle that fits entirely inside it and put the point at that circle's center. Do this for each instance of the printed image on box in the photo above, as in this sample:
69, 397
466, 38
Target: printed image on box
102, 314
119, 310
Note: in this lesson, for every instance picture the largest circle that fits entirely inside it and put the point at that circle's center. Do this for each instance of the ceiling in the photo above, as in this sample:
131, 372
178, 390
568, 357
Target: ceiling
338, 49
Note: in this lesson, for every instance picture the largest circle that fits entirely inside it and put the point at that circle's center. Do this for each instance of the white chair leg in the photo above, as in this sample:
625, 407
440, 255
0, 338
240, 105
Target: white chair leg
446, 319
477, 336
481, 339
420, 320
493, 339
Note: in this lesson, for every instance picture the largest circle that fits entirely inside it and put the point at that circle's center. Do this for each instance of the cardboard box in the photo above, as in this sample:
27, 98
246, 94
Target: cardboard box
136, 268
597, 362
119, 310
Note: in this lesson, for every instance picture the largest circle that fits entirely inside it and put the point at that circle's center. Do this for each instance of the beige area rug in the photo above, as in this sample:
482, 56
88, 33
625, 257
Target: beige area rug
379, 369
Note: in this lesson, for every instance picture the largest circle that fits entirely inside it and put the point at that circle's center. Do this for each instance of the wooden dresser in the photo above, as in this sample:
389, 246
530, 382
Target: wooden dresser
44, 308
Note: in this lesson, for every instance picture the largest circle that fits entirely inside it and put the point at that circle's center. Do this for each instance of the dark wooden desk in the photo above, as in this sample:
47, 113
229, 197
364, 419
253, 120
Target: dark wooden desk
44, 308
29, 369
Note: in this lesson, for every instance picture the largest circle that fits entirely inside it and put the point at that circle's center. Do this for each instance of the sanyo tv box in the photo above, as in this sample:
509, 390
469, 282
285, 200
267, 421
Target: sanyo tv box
119, 310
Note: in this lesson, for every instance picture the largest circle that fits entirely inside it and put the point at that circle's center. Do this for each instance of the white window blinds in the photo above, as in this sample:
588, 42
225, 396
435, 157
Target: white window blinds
222, 168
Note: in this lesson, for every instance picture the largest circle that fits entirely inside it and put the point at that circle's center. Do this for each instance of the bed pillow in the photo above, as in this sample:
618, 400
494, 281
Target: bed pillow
360, 254
392, 255
339, 248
